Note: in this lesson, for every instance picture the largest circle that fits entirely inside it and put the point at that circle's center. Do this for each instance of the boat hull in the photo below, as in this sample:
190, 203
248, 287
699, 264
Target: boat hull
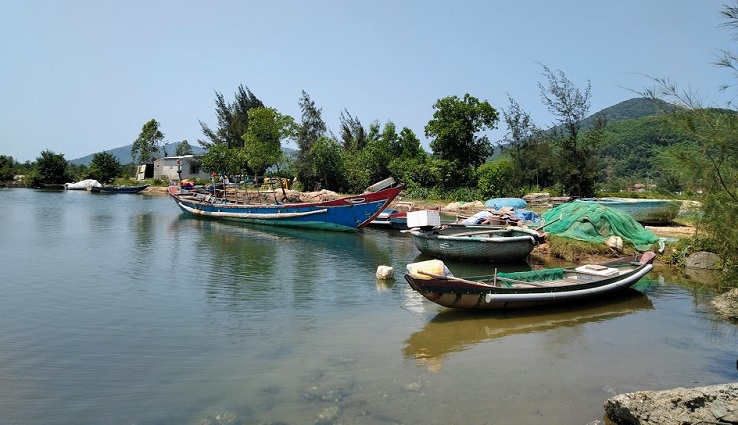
465, 294
644, 211
344, 214
118, 189
509, 245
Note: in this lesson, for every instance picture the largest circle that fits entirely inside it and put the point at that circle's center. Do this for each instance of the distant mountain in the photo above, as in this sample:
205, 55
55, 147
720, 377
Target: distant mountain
627, 110
123, 154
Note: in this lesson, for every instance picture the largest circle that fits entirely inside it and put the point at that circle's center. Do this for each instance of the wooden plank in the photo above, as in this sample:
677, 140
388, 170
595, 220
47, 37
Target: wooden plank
481, 232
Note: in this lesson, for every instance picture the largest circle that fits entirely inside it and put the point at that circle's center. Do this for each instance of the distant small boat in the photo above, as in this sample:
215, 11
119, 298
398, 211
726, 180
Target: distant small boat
476, 243
383, 219
392, 218
525, 289
118, 189
644, 211
86, 184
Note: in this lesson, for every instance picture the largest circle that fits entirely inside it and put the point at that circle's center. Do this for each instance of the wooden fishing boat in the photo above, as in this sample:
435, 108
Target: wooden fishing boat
347, 213
118, 189
644, 211
525, 289
476, 243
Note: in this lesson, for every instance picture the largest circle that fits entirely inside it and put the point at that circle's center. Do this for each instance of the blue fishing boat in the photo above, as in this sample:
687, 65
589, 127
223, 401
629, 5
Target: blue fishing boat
346, 213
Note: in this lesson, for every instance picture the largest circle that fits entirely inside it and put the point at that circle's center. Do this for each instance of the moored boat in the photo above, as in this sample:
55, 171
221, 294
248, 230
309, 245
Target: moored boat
346, 213
644, 211
476, 243
86, 184
435, 282
118, 189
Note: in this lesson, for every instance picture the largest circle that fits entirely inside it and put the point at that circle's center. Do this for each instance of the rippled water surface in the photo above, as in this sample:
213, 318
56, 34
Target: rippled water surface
116, 309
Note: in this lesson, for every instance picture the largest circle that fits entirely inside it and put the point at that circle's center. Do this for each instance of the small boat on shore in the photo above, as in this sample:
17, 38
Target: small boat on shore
118, 189
344, 214
435, 282
86, 184
476, 243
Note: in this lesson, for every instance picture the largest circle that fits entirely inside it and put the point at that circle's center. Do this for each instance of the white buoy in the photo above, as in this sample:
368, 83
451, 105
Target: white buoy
385, 272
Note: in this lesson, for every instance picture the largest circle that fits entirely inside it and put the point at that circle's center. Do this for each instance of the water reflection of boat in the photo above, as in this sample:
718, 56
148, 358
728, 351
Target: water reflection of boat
232, 239
452, 331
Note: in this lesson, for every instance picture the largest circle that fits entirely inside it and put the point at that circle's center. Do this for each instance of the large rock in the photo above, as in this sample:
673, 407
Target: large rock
716, 404
726, 304
702, 260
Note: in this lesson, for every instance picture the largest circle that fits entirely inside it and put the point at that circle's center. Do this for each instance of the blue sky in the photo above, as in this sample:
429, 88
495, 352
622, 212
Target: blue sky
82, 76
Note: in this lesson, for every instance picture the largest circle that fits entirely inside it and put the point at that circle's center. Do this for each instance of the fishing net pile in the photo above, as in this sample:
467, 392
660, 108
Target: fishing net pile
595, 223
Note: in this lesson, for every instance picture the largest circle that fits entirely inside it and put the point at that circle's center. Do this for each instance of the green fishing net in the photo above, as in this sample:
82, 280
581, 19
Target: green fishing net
595, 223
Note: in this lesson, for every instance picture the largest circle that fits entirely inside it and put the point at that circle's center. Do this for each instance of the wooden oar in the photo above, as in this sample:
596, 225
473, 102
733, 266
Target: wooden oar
458, 279
550, 222
481, 232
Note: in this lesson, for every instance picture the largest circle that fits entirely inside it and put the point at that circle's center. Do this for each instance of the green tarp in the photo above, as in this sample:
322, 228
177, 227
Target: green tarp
595, 223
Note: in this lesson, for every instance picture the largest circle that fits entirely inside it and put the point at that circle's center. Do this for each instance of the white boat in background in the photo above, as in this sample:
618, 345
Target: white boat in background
87, 184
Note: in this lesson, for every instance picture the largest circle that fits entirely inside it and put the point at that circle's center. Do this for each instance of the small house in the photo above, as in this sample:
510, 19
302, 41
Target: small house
168, 168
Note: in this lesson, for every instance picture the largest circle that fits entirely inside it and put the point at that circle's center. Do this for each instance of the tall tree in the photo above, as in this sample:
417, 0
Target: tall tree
353, 135
527, 147
407, 145
263, 141
576, 163
311, 128
327, 163
7, 168
51, 168
145, 148
233, 119
104, 167
455, 129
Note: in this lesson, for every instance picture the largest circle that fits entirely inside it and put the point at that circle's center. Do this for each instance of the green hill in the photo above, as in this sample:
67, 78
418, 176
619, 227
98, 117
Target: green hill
123, 154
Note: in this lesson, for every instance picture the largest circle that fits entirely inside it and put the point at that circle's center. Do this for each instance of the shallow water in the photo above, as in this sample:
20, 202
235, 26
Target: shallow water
117, 309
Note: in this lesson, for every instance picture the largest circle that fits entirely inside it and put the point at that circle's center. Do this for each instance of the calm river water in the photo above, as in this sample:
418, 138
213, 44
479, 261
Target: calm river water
116, 309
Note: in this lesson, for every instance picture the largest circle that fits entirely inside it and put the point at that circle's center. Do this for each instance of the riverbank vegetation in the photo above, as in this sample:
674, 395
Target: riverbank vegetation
662, 144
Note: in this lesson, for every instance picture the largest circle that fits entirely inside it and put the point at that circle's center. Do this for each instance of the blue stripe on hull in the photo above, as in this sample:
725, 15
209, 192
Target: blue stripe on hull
344, 218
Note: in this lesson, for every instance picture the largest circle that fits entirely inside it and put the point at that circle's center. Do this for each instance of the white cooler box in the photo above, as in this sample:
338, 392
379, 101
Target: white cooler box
423, 218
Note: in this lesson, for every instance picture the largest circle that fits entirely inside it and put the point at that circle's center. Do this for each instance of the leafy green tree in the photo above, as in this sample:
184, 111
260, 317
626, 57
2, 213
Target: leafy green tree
7, 168
104, 167
145, 148
495, 179
263, 140
454, 129
221, 159
327, 162
576, 159
311, 129
183, 148
406, 145
51, 168
233, 119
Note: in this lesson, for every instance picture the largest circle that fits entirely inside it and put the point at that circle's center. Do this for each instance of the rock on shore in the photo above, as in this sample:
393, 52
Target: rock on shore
726, 304
716, 404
